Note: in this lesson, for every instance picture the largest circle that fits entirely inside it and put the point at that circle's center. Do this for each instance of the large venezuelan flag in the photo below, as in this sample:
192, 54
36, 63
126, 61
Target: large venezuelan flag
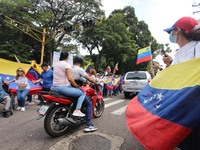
144, 55
168, 109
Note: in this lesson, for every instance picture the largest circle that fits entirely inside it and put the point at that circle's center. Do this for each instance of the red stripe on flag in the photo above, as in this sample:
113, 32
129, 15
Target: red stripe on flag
147, 58
153, 132
30, 76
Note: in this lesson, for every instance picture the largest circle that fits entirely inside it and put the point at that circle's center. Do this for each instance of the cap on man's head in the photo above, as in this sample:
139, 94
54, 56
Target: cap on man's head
44, 64
185, 23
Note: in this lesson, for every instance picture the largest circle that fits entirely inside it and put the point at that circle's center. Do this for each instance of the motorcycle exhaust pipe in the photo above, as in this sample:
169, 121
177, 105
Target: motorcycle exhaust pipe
67, 122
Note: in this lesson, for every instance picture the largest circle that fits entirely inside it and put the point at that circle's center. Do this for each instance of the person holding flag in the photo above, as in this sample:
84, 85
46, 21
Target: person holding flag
168, 108
46, 79
23, 88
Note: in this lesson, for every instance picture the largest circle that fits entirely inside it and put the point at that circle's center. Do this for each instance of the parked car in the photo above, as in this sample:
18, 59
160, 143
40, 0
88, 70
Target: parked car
134, 81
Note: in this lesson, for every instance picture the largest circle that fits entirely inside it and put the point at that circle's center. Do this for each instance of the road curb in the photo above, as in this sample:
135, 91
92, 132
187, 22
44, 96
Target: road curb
65, 144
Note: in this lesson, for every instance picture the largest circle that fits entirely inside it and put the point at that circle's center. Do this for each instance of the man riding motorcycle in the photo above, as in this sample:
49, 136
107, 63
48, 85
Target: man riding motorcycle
78, 73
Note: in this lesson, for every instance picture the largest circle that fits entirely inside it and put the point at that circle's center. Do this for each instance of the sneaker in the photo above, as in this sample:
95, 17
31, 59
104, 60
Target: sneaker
78, 113
90, 128
6, 113
23, 109
36, 101
31, 103
18, 108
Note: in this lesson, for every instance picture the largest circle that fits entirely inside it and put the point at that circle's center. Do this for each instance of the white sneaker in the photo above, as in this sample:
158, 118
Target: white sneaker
31, 103
36, 101
18, 108
78, 113
23, 109
90, 128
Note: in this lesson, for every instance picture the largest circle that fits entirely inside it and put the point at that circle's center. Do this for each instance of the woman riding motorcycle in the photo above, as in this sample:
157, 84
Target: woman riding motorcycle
62, 82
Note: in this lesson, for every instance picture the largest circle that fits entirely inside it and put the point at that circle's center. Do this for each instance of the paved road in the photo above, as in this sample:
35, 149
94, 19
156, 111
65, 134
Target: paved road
22, 130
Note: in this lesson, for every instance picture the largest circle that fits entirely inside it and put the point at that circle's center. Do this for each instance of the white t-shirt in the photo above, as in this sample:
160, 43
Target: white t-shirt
59, 74
187, 52
22, 80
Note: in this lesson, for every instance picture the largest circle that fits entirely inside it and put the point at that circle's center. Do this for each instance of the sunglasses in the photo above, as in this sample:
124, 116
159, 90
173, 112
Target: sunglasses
19, 70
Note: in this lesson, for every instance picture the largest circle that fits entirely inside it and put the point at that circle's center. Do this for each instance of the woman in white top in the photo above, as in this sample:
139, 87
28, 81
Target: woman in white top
22, 89
62, 81
186, 33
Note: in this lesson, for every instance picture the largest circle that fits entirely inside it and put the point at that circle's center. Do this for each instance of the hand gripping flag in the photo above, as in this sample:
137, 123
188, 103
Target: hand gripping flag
144, 55
33, 72
168, 109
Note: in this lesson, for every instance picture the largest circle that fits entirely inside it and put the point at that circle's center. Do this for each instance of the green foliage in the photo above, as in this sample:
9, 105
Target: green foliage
118, 39
52, 15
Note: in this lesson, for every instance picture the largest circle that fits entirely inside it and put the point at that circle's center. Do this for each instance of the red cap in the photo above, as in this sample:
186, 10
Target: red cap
185, 23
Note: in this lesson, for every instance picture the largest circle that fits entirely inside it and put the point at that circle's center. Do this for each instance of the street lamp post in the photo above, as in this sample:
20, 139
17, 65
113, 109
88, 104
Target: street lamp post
34, 33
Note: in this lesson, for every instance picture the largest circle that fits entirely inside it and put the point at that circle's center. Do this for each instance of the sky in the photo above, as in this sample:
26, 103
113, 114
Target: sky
158, 14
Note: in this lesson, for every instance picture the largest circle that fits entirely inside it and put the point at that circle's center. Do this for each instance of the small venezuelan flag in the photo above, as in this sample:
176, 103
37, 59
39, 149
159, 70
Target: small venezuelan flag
116, 68
34, 72
108, 69
144, 55
88, 69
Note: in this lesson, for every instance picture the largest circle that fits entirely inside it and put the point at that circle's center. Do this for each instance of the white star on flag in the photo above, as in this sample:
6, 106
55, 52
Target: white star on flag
145, 101
160, 96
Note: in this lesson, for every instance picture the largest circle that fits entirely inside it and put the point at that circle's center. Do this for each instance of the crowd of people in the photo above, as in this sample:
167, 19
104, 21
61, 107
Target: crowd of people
185, 32
23, 88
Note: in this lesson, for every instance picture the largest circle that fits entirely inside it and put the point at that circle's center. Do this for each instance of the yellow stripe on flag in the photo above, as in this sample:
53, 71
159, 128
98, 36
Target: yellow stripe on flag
143, 50
36, 66
178, 76
87, 66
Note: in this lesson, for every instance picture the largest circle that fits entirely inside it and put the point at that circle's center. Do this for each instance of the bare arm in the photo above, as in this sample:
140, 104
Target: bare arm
167, 59
22, 85
90, 79
13, 80
69, 77
37, 81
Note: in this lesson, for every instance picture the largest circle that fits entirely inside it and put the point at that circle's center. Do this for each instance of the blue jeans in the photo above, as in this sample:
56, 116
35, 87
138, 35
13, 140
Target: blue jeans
71, 91
88, 106
29, 98
21, 96
109, 92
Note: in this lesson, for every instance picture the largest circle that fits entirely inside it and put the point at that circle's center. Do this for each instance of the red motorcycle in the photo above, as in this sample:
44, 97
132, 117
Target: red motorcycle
59, 108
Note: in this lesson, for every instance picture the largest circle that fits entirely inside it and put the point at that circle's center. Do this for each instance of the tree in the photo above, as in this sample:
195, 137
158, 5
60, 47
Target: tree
51, 14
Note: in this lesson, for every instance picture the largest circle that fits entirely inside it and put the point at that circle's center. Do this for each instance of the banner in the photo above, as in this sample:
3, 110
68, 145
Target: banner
56, 57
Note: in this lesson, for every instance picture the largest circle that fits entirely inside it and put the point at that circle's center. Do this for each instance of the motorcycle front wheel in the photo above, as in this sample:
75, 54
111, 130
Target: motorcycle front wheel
51, 125
98, 108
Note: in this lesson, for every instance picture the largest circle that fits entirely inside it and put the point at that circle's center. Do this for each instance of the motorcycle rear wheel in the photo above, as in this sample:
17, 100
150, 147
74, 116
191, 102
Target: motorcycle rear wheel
98, 109
51, 125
